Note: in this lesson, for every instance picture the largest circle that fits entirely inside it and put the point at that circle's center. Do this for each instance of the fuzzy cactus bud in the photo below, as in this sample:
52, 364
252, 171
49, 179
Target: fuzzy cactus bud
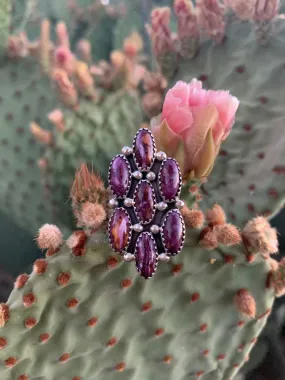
260, 237
154, 82
84, 50
266, 10
152, 103
62, 35
49, 237
188, 28
4, 314
18, 46
43, 136
64, 59
277, 278
87, 187
92, 215
133, 44
208, 239
84, 80
244, 9
211, 17
194, 218
66, 88
44, 47
245, 303
162, 40
216, 215
227, 234
57, 118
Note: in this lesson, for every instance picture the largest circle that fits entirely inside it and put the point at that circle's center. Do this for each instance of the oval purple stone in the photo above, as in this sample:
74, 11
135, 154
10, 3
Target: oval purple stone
119, 230
119, 176
144, 202
173, 232
169, 179
146, 255
144, 149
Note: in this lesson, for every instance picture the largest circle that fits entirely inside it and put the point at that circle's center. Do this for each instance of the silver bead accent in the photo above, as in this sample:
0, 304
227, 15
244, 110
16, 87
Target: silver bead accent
161, 206
179, 203
137, 228
160, 156
127, 150
151, 176
155, 229
113, 203
128, 202
137, 174
128, 257
163, 257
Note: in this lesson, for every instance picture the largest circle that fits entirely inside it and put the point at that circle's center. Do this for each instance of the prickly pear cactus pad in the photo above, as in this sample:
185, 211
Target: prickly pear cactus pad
25, 95
5, 10
248, 178
91, 135
198, 317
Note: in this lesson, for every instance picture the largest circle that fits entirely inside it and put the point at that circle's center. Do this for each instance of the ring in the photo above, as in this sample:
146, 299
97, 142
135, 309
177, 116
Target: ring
146, 225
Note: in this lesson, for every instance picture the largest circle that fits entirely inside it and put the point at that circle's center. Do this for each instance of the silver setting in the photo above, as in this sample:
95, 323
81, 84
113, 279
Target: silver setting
137, 228
134, 149
163, 257
183, 231
176, 197
161, 156
130, 176
161, 206
127, 150
153, 197
155, 229
128, 202
179, 203
137, 174
128, 257
113, 202
151, 176
152, 238
109, 229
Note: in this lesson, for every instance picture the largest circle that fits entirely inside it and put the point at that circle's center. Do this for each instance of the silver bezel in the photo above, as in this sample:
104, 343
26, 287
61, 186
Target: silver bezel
134, 150
109, 230
159, 180
156, 261
130, 176
183, 231
154, 201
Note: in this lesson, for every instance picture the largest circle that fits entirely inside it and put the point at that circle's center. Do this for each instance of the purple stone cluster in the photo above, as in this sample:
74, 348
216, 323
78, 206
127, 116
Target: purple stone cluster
146, 225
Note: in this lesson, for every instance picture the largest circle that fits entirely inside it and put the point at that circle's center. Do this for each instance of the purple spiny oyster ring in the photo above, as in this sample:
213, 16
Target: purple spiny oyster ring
146, 224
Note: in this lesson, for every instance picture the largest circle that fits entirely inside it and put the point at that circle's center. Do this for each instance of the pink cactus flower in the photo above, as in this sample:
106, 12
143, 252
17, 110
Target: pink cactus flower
193, 124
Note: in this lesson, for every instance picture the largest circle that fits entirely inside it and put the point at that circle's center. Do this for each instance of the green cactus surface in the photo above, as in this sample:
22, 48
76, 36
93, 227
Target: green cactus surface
25, 96
5, 9
92, 134
248, 177
84, 314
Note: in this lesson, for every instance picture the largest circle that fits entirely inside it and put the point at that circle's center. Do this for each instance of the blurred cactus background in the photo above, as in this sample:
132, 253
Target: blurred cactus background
79, 77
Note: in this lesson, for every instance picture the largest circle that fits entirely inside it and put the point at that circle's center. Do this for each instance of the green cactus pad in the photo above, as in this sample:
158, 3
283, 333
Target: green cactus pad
5, 9
92, 135
94, 317
248, 177
25, 96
